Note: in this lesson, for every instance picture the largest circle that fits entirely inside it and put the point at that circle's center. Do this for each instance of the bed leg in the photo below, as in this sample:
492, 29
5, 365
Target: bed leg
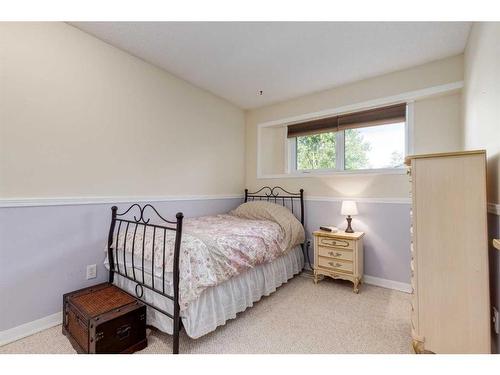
177, 315
176, 337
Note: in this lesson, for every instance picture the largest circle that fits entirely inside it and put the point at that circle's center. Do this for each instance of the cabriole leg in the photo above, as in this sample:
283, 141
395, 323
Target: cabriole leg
356, 284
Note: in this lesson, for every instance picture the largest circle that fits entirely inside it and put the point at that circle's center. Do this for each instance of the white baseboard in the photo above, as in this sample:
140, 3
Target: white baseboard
28, 329
389, 284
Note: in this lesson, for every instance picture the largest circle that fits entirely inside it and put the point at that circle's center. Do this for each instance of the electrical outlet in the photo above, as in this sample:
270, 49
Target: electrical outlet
496, 322
91, 271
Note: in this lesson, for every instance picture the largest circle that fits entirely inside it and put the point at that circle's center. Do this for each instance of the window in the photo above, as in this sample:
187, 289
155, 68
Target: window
372, 139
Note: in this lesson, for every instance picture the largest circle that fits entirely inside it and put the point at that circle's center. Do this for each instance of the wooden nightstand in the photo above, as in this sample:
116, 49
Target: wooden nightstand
339, 255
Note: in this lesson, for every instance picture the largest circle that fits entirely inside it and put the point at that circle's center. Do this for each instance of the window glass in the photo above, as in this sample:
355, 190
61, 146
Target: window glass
381, 146
316, 151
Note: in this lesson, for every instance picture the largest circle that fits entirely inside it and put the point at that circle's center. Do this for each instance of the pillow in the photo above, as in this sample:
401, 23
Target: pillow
261, 210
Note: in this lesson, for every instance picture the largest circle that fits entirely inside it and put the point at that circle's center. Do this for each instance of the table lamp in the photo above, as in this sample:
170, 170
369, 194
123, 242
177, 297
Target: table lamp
349, 208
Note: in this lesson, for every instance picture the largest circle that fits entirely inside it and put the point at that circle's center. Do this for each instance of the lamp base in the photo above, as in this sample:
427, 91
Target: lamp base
349, 228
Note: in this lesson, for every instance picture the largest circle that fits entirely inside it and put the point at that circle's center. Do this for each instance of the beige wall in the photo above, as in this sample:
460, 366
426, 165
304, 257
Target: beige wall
437, 127
438, 124
79, 117
273, 150
482, 99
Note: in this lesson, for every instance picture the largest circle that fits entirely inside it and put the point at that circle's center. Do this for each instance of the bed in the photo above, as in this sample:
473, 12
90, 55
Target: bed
197, 273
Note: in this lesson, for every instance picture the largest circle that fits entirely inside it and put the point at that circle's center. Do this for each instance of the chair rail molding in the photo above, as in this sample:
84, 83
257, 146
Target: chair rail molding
388, 200
75, 201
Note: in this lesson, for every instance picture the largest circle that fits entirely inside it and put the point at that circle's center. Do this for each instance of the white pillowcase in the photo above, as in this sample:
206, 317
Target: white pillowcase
262, 210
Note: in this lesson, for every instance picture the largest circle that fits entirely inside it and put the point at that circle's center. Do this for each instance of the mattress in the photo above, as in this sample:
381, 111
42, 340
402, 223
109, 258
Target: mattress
217, 304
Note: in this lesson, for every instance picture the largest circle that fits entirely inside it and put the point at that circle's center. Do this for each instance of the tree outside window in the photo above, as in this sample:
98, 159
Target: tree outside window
375, 147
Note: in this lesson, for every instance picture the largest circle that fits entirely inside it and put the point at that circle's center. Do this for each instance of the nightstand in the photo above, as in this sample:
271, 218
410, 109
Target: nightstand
339, 255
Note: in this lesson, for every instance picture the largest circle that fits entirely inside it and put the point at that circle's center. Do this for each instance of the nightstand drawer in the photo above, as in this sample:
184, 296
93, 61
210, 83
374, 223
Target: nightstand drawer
336, 242
335, 264
335, 253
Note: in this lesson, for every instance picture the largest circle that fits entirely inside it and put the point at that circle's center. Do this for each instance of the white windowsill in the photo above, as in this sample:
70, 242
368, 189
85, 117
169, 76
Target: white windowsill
386, 171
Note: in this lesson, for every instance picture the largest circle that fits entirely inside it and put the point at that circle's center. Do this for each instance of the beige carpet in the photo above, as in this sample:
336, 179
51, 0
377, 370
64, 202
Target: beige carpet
299, 317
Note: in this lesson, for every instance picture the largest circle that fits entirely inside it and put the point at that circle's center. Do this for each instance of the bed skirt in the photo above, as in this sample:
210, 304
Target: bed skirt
218, 304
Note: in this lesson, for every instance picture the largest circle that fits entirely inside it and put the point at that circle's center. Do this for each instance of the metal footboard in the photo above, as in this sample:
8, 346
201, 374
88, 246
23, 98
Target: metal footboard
121, 223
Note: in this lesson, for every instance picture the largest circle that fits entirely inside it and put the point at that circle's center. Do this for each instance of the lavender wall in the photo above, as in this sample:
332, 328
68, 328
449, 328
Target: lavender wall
387, 238
44, 252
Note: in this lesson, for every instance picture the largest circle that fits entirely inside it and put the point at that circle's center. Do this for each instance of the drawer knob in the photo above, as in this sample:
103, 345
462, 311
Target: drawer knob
331, 253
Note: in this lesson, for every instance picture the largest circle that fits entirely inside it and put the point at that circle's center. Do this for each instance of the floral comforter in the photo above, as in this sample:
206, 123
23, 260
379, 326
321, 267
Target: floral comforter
216, 248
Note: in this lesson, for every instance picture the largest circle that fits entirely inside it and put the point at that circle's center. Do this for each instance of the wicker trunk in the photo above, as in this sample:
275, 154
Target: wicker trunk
104, 319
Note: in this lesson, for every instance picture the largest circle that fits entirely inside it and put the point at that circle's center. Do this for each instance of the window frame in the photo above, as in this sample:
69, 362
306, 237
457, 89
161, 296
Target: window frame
291, 154
340, 157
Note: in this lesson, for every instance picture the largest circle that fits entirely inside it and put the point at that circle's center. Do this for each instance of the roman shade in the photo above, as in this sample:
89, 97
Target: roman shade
371, 117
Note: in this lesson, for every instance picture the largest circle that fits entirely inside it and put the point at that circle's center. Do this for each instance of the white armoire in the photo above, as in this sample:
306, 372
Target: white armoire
450, 310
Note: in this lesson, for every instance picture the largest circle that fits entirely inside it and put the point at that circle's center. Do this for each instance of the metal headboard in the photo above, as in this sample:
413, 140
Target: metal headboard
281, 196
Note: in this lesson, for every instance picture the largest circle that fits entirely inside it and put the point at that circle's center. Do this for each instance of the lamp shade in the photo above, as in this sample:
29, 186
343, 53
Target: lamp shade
349, 208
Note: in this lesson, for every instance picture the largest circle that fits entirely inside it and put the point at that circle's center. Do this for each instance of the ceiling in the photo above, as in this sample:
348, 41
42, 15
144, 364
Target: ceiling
236, 60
